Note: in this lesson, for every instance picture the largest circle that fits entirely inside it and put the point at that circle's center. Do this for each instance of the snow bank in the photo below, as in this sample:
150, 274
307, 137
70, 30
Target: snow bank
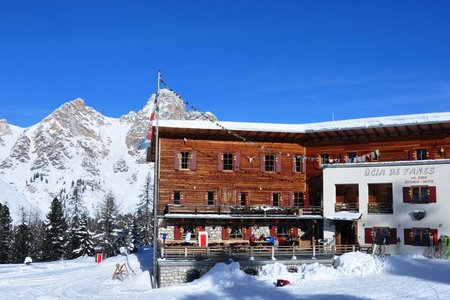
357, 263
223, 275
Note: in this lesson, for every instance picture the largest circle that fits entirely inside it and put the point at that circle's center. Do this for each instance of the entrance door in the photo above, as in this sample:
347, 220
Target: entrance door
228, 197
345, 232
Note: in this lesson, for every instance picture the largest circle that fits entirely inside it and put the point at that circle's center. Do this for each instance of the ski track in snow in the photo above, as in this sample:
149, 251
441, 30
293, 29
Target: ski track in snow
356, 276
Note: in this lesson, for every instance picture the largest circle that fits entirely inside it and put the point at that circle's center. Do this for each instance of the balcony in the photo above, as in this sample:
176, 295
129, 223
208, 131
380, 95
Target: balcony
343, 206
380, 208
243, 211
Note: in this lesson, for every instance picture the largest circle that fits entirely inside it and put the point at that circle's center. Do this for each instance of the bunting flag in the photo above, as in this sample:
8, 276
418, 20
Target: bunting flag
147, 142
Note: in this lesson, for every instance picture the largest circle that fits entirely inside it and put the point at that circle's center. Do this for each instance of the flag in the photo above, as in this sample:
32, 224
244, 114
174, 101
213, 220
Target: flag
147, 142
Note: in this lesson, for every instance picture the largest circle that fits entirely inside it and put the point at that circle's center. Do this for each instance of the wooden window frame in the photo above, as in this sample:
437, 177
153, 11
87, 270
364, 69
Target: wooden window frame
175, 198
234, 235
298, 163
228, 161
279, 199
185, 160
423, 194
421, 153
243, 201
193, 230
210, 201
269, 162
296, 198
283, 230
420, 236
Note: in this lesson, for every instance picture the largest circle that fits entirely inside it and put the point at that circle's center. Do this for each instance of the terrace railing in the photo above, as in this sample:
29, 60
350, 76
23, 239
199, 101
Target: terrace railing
350, 207
380, 208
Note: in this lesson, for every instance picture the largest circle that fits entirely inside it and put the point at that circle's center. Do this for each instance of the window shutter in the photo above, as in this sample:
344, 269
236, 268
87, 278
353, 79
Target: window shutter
225, 233
306, 199
247, 233
294, 231
205, 199
193, 160
368, 235
294, 157
406, 194
430, 154
392, 240
431, 194
177, 232
183, 198
291, 199
434, 234
408, 236
220, 161
237, 161
278, 163
262, 160
410, 154
171, 198
238, 200
176, 160
342, 157
273, 231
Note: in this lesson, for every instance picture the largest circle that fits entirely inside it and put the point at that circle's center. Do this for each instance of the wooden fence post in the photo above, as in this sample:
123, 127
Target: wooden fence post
293, 252
185, 252
251, 253
162, 252
273, 253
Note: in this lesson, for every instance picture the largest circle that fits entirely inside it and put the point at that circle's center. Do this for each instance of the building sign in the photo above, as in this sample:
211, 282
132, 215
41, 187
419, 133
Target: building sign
408, 171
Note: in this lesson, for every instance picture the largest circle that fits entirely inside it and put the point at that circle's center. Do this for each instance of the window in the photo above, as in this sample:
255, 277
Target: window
177, 197
381, 235
211, 198
298, 199
324, 158
269, 163
228, 161
192, 229
298, 163
419, 194
243, 199
420, 236
351, 157
283, 230
236, 232
184, 160
276, 199
421, 154
380, 198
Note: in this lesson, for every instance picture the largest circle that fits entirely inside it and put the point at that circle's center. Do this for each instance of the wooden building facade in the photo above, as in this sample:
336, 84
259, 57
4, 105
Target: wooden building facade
239, 179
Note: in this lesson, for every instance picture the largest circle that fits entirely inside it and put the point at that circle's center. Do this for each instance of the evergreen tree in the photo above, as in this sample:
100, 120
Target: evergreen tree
55, 230
144, 213
86, 247
5, 233
21, 244
107, 220
37, 232
75, 210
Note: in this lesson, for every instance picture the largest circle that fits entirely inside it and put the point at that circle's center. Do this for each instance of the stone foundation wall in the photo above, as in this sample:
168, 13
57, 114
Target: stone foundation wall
261, 230
167, 229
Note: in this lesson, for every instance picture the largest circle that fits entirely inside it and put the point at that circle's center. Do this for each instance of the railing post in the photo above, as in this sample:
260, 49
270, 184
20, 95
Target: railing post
207, 252
353, 248
314, 250
185, 252
251, 253
229, 251
273, 253
162, 252
293, 252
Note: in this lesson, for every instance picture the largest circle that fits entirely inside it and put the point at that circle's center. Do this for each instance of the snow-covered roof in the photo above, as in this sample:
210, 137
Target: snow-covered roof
391, 121
344, 216
231, 217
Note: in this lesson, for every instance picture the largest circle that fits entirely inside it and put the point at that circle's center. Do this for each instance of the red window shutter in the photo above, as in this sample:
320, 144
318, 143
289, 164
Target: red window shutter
303, 170
430, 154
291, 199
238, 200
294, 231
247, 233
434, 234
406, 194
183, 198
273, 230
306, 199
176, 160
220, 161
431, 194
392, 236
342, 157
193, 160
294, 158
262, 160
278, 163
177, 232
411, 154
407, 236
237, 161
368, 235
205, 199
225, 233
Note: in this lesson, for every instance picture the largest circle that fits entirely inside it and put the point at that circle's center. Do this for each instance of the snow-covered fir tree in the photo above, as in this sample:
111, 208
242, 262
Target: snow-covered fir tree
144, 214
5, 233
21, 245
55, 230
125, 233
86, 245
75, 210
107, 231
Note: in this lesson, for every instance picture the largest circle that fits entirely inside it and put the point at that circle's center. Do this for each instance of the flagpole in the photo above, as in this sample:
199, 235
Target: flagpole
156, 187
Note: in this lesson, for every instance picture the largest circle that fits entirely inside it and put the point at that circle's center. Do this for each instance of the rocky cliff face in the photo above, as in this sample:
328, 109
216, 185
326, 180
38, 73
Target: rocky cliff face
77, 142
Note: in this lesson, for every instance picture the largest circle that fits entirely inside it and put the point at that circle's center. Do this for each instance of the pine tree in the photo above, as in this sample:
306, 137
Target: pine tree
107, 220
144, 212
37, 232
86, 247
75, 209
5, 233
55, 230
21, 244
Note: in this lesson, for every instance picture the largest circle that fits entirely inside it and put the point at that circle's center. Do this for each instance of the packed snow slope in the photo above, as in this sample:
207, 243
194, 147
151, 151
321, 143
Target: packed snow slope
354, 276
77, 142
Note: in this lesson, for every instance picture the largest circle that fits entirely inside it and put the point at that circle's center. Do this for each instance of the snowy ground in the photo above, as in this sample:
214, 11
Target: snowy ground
356, 276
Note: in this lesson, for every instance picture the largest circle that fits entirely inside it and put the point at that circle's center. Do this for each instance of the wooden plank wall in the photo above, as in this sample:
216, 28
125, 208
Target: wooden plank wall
259, 185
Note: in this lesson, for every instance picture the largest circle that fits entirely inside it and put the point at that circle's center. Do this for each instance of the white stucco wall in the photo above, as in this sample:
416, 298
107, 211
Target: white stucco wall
400, 174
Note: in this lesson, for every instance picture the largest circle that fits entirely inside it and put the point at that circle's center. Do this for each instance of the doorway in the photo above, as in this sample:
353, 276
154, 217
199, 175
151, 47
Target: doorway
346, 232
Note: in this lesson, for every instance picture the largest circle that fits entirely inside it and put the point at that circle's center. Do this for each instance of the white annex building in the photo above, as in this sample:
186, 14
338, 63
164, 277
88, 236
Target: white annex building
404, 204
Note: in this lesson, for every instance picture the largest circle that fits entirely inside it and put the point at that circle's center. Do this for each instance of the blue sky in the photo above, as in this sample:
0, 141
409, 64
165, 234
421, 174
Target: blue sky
256, 61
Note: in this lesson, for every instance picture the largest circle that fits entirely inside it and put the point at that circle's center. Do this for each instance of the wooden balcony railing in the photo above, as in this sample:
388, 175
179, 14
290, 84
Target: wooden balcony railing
380, 208
247, 210
350, 207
